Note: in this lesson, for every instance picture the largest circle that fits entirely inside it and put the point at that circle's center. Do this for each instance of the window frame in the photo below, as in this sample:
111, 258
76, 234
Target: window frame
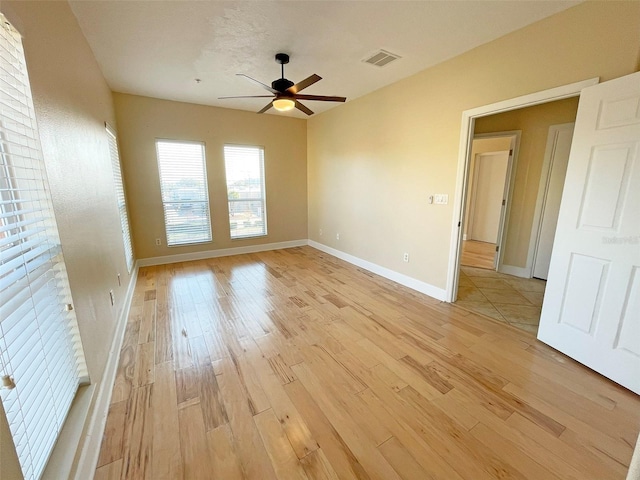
121, 196
263, 191
205, 202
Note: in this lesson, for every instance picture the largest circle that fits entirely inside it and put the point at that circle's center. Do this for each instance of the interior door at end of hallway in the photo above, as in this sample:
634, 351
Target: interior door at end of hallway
488, 195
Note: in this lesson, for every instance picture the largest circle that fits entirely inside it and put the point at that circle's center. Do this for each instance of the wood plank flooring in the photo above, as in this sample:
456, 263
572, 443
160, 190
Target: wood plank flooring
478, 254
292, 364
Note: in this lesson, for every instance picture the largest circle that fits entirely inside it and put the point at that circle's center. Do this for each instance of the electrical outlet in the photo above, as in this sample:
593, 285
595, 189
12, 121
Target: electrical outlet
337, 236
158, 242
405, 257
113, 298
320, 232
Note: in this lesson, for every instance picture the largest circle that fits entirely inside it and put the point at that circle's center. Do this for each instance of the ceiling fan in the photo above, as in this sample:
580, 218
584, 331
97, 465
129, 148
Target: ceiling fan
285, 93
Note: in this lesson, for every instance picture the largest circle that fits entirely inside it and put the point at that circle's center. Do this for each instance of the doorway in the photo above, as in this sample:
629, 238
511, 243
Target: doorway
487, 196
466, 137
491, 165
499, 292
482, 287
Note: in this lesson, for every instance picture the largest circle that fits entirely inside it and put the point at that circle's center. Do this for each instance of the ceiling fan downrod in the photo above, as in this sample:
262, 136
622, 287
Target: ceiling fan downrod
282, 59
282, 83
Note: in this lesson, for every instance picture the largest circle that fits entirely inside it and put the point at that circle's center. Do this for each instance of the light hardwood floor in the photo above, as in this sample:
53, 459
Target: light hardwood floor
478, 254
293, 364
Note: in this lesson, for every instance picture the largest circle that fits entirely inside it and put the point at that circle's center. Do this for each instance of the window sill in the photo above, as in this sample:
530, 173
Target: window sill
249, 237
64, 459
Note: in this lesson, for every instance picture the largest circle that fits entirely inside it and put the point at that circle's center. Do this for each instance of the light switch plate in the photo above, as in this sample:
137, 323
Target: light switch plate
441, 198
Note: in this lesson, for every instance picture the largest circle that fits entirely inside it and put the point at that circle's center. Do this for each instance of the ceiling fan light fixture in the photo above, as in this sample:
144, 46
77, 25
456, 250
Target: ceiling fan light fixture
284, 104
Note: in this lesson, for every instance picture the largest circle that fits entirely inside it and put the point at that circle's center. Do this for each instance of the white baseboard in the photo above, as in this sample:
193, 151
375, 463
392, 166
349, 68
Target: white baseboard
515, 271
89, 447
222, 252
418, 285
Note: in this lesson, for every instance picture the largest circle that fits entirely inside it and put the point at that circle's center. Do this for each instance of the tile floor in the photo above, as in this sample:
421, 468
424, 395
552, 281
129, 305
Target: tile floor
513, 300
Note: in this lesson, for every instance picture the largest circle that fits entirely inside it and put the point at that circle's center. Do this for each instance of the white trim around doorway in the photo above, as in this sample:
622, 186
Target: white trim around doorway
466, 138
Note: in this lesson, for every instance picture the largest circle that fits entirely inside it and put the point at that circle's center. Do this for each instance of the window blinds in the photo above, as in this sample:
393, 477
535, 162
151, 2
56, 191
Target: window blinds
185, 198
244, 168
120, 197
40, 347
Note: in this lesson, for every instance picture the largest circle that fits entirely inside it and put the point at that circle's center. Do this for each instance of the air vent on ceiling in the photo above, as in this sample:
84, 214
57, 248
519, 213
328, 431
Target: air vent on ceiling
381, 58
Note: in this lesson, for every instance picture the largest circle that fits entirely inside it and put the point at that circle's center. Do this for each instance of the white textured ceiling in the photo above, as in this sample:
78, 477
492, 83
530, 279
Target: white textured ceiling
159, 48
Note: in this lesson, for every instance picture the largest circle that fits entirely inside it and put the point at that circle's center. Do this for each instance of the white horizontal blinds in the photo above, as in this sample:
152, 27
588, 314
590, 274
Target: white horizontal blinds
120, 196
244, 167
183, 182
39, 341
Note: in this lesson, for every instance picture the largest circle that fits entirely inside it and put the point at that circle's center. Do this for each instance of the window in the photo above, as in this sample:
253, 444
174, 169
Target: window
40, 345
120, 197
183, 182
244, 168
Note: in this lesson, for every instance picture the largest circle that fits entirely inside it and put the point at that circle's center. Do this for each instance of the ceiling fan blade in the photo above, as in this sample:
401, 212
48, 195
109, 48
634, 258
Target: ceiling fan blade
266, 107
302, 108
266, 87
321, 98
307, 82
247, 96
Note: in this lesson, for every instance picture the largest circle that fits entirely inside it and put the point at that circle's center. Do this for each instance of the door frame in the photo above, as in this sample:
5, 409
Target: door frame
541, 199
509, 183
466, 138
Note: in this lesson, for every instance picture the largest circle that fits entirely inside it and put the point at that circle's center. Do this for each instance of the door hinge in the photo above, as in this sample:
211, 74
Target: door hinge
504, 202
511, 152
497, 248
459, 224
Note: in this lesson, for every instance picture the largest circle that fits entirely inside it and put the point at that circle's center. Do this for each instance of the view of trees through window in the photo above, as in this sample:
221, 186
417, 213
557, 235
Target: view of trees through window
244, 167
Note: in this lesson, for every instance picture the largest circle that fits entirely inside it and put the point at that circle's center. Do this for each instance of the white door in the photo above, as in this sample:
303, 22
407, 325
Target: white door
488, 193
591, 309
555, 163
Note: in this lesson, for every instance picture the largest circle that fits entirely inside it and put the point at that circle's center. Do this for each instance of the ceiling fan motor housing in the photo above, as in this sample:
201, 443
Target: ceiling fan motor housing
281, 84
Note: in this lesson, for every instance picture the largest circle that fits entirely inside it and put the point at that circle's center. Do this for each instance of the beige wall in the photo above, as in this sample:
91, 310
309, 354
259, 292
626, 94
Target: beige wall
534, 122
9, 463
141, 120
374, 161
72, 102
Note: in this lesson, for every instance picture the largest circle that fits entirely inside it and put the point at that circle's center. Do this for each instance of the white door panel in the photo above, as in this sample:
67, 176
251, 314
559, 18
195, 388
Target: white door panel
629, 336
591, 309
